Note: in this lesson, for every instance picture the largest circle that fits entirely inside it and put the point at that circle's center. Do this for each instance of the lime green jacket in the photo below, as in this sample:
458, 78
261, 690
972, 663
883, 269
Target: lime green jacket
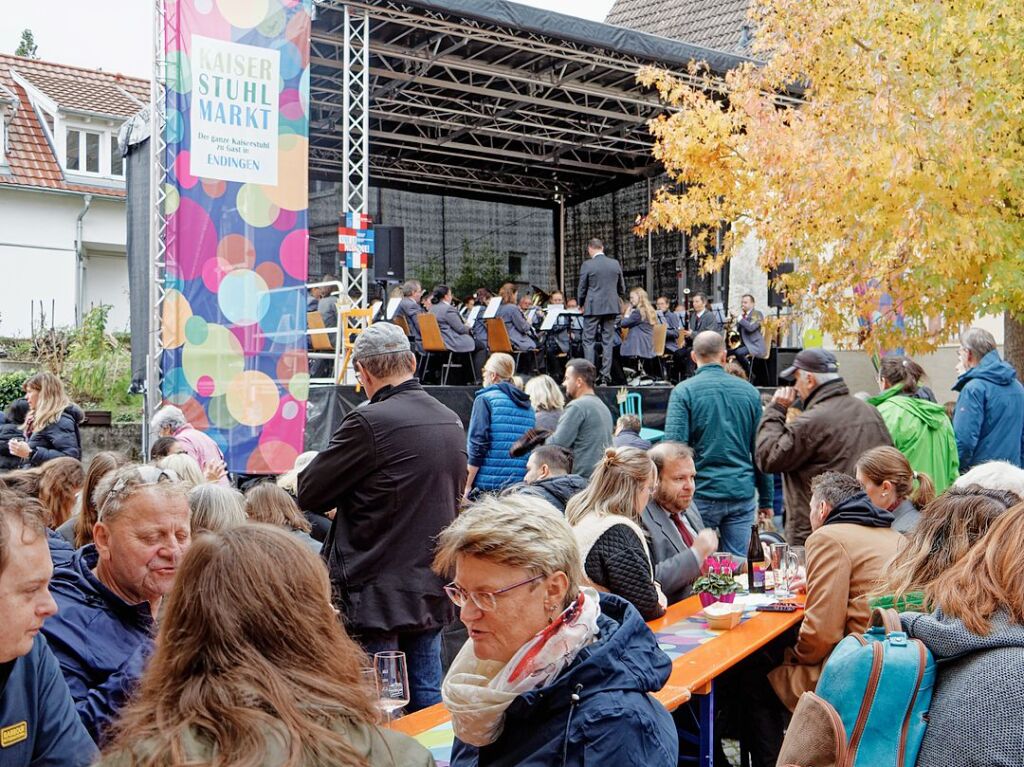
922, 431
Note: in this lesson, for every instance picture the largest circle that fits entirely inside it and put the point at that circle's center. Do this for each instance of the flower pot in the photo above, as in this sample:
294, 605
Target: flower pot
707, 598
727, 598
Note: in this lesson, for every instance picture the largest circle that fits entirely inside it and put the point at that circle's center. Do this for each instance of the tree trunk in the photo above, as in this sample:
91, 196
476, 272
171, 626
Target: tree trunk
1013, 342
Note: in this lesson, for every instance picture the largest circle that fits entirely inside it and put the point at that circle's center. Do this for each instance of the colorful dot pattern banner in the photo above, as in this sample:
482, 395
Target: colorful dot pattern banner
233, 322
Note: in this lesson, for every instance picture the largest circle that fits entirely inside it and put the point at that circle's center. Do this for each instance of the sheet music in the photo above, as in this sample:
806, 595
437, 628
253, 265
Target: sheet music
392, 308
375, 309
552, 316
531, 314
473, 314
492, 308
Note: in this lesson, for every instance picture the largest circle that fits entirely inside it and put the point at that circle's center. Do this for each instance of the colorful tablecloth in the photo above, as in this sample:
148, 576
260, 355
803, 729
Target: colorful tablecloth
676, 640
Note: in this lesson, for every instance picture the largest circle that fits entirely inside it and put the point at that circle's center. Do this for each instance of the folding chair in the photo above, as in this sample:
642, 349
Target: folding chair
320, 340
352, 323
433, 343
660, 339
633, 404
498, 340
764, 362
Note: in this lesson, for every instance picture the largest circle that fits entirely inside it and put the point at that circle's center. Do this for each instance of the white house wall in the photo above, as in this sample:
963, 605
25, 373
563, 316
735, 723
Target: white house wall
37, 258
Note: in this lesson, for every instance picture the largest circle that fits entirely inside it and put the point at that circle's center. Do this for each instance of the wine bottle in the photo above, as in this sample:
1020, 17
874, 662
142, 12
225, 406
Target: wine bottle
756, 564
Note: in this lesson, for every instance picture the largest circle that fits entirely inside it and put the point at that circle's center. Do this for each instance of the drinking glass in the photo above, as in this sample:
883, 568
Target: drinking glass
392, 674
798, 568
780, 568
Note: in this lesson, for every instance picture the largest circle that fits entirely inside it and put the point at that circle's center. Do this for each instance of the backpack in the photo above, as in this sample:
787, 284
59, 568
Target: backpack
871, 703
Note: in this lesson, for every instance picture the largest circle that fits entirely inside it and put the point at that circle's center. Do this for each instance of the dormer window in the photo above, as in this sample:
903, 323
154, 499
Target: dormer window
83, 151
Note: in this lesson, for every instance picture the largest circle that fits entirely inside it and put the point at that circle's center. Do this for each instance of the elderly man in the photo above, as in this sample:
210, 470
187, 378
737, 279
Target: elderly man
679, 541
410, 309
833, 431
394, 492
169, 421
989, 418
110, 592
717, 415
39, 726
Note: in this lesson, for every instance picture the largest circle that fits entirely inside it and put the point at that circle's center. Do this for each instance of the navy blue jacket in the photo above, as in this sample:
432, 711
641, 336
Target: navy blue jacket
37, 716
101, 641
9, 431
989, 418
615, 722
58, 440
501, 415
61, 551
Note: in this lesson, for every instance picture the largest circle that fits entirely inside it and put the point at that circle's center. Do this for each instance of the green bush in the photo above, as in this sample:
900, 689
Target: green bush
12, 386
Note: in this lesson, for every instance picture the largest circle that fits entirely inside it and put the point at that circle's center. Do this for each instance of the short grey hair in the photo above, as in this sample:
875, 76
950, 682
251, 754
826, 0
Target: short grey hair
215, 508
168, 416
820, 378
978, 342
515, 531
708, 345
834, 488
114, 492
669, 450
409, 287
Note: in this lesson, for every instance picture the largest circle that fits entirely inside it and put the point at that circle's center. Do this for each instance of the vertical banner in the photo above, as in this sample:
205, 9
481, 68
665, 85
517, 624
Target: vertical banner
234, 322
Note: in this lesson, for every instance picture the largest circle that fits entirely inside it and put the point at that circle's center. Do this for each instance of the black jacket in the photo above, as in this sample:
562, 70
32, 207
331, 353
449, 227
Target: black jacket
58, 440
395, 469
9, 431
555, 490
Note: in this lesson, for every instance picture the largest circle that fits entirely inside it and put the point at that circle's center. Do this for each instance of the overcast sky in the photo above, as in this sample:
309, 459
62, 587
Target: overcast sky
115, 34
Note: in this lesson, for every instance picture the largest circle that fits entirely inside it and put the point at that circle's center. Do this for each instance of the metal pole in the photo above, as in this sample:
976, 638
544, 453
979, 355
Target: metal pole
151, 396
650, 250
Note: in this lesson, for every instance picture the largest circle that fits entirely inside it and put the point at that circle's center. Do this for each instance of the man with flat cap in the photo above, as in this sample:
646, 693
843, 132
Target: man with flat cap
394, 492
830, 434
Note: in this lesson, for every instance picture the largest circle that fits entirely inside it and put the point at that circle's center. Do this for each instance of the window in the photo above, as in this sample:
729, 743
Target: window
74, 139
515, 263
116, 160
83, 150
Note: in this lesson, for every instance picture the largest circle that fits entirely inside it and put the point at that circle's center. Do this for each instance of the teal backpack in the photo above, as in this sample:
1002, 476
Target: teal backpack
871, 703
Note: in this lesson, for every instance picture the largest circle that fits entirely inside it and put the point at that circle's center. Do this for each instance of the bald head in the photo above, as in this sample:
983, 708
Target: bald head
709, 347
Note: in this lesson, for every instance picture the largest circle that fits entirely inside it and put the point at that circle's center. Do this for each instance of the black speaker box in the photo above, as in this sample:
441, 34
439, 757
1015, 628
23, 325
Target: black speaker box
389, 255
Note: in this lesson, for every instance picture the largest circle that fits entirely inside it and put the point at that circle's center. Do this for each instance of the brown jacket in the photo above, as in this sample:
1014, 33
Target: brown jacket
834, 430
844, 565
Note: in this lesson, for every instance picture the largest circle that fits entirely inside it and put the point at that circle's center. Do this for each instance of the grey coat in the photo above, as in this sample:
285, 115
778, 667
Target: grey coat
640, 340
456, 335
601, 284
675, 564
410, 310
707, 321
907, 517
671, 319
519, 331
977, 711
750, 332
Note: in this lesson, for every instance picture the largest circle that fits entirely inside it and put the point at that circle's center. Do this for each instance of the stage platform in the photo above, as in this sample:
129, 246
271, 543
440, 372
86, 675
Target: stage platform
328, 405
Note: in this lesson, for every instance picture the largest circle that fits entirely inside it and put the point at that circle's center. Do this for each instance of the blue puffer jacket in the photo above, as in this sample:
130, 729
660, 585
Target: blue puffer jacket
100, 641
37, 716
614, 723
59, 439
501, 415
989, 419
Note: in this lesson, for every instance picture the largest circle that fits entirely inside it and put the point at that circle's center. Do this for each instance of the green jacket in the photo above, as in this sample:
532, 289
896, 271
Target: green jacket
717, 415
922, 431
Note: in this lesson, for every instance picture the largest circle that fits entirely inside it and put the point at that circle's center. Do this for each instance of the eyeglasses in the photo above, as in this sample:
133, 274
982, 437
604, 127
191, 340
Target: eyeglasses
485, 600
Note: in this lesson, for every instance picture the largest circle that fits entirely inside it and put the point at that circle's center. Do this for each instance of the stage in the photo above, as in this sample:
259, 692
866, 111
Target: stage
328, 405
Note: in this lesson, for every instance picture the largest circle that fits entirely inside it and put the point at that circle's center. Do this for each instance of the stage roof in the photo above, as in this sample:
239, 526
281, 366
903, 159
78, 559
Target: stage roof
494, 99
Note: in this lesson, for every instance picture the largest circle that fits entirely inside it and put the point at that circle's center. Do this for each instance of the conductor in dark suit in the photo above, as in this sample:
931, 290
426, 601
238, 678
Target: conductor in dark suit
751, 337
699, 320
679, 541
599, 291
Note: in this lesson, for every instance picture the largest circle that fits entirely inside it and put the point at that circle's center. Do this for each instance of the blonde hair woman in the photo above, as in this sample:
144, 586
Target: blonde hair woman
547, 400
501, 414
185, 466
51, 428
640, 318
606, 520
215, 508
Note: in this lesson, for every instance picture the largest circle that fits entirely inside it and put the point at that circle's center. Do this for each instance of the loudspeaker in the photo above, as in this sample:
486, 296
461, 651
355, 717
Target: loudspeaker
389, 254
783, 359
776, 299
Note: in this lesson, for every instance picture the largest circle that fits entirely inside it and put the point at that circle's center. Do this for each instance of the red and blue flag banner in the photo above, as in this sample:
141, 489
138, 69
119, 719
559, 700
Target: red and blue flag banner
356, 240
236, 131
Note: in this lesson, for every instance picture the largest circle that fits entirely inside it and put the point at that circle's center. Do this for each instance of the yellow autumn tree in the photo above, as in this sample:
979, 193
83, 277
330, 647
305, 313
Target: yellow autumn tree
880, 147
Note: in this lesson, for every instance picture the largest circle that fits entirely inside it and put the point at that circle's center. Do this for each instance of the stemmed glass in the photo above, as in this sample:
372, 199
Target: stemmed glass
392, 676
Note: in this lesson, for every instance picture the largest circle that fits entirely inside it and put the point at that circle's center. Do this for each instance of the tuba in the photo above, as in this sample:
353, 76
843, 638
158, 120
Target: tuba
732, 333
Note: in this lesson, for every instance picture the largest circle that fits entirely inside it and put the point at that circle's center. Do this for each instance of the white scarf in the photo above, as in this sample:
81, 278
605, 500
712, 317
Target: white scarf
477, 692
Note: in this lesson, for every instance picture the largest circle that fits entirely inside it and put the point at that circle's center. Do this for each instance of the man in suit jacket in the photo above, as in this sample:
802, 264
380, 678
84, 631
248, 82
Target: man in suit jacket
599, 291
679, 541
751, 338
697, 321
410, 309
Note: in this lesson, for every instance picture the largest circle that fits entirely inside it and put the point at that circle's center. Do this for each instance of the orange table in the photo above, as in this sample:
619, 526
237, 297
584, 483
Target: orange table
693, 673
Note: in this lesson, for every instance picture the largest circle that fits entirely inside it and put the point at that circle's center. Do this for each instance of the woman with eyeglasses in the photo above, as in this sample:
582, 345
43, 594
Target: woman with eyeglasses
253, 667
606, 519
553, 673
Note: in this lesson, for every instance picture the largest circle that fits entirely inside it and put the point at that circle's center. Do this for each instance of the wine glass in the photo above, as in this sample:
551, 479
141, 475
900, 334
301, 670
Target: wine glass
392, 674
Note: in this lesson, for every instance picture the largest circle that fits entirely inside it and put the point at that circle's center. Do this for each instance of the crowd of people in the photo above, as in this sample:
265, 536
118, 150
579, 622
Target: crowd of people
157, 615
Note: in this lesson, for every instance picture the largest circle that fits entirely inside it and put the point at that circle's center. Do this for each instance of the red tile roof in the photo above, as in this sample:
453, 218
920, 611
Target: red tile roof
30, 157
